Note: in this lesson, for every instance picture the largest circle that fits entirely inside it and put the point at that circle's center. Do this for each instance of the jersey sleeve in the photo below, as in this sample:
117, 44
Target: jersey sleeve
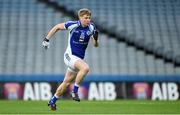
92, 28
69, 25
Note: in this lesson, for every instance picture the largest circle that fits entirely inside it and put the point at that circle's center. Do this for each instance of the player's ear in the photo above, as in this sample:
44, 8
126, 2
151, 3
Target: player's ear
80, 17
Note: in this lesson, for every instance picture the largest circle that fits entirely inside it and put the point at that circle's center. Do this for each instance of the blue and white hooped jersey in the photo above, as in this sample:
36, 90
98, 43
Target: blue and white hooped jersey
78, 37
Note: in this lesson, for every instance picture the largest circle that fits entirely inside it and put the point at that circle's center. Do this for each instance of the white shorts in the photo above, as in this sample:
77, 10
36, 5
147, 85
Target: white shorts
70, 60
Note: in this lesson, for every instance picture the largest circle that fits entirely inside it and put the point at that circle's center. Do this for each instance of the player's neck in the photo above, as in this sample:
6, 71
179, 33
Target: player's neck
83, 25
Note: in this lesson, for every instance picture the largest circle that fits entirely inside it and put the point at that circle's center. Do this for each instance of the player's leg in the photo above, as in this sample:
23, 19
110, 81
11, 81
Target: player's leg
70, 75
83, 70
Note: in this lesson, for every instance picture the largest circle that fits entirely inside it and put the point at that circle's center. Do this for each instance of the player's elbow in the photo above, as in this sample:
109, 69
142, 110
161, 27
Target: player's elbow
57, 28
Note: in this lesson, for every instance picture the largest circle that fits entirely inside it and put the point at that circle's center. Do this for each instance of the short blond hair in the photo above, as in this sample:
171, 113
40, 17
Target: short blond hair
84, 11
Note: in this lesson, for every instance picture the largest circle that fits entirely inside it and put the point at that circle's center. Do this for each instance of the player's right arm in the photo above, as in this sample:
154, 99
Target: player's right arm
56, 28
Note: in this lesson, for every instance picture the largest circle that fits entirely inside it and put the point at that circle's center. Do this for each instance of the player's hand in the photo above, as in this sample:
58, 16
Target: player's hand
95, 35
45, 43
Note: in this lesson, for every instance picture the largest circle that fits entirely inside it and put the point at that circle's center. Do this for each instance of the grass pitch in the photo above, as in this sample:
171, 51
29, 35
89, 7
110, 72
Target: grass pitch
91, 107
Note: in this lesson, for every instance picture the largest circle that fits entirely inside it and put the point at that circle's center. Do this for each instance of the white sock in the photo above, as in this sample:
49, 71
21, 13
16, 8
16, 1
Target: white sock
76, 84
56, 96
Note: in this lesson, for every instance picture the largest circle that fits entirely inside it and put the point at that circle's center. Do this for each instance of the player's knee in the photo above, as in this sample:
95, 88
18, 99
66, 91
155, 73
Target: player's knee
85, 69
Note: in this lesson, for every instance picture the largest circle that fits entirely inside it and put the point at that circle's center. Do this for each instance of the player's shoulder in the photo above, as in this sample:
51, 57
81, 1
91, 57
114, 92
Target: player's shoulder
71, 22
92, 26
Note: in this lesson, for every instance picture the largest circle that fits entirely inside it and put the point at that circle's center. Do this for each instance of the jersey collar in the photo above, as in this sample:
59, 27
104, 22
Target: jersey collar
79, 23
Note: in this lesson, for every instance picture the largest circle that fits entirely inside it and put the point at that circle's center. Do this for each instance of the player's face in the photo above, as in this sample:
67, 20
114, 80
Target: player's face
85, 20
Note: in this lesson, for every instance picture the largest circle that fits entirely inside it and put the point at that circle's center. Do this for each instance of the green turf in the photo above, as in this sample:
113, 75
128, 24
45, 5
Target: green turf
91, 107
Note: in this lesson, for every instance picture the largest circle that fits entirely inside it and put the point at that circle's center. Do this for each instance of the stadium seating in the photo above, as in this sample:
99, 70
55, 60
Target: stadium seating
155, 21
154, 24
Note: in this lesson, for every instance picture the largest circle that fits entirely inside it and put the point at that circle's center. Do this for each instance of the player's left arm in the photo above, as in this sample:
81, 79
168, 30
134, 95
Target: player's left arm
95, 38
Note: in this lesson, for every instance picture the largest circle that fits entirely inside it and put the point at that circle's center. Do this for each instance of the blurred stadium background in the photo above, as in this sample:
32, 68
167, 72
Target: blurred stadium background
139, 40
